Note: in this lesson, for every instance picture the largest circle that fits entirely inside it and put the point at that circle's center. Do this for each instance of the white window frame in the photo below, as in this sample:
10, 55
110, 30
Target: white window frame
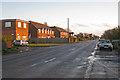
24, 36
45, 30
24, 25
18, 37
42, 30
7, 24
39, 30
19, 24
48, 31
52, 32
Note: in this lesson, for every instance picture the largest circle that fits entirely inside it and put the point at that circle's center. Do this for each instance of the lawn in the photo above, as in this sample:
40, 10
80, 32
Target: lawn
47, 44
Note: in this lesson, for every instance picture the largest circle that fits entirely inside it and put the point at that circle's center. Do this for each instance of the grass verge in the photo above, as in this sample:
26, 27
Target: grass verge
11, 50
49, 44
41, 45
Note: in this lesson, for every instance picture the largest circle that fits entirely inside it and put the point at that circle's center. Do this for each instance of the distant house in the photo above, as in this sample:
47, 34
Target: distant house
16, 28
71, 34
59, 32
39, 30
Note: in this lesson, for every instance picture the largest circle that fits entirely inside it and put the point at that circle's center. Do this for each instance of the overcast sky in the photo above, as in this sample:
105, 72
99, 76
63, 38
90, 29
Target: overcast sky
90, 17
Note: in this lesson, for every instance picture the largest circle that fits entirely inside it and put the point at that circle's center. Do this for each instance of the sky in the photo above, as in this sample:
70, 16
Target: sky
87, 17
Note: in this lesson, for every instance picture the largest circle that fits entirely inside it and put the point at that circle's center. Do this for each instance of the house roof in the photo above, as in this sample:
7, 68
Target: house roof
60, 29
39, 25
14, 20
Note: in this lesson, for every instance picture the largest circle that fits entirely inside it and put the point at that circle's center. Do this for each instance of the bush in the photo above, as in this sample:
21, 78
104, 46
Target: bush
112, 34
11, 50
7, 38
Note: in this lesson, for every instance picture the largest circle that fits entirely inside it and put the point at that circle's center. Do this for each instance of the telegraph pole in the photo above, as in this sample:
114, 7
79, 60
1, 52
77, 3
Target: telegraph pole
68, 29
68, 24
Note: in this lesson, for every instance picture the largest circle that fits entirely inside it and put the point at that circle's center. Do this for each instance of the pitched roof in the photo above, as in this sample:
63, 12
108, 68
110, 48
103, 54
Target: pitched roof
39, 25
60, 29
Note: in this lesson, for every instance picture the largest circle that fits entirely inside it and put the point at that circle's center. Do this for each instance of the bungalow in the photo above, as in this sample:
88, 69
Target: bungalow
59, 32
16, 28
39, 30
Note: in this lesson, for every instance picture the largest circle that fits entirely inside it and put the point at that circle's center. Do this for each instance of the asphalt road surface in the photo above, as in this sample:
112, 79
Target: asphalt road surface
78, 60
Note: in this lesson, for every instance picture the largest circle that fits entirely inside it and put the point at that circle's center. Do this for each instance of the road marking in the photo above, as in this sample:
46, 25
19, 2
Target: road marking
33, 65
79, 67
73, 49
50, 60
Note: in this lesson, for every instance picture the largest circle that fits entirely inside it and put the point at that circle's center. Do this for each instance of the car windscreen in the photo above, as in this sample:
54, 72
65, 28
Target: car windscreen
107, 41
17, 40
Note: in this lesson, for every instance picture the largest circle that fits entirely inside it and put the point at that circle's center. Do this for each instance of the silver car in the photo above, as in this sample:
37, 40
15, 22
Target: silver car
105, 44
20, 42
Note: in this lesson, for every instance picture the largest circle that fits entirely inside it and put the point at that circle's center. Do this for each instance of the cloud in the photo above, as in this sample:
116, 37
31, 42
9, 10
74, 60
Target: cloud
82, 25
102, 25
97, 25
107, 25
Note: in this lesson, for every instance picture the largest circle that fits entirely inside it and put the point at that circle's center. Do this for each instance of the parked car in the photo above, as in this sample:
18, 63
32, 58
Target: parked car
20, 42
100, 41
106, 44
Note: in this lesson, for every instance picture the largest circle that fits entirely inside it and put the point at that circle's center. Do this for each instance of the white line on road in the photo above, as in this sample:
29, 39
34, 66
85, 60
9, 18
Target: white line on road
50, 60
73, 49
33, 65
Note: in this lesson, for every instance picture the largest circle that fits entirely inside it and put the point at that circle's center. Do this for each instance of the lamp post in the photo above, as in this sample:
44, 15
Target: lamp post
68, 29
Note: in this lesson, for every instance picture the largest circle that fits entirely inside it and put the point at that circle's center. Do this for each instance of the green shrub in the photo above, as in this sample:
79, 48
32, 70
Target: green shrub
7, 38
11, 50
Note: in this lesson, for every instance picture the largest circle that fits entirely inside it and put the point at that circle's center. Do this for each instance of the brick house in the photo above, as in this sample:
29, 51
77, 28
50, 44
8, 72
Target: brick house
16, 28
59, 32
39, 30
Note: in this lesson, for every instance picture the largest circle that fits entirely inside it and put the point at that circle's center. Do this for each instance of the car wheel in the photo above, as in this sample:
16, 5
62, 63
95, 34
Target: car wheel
22, 45
100, 48
110, 49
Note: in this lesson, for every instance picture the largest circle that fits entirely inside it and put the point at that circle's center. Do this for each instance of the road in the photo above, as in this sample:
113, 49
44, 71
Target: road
77, 60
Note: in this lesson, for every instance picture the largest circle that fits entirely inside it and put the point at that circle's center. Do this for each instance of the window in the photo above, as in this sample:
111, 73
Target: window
52, 32
24, 37
24, 25
18, 37
39, 30
43, 30
46, 31
19, 24
7, 24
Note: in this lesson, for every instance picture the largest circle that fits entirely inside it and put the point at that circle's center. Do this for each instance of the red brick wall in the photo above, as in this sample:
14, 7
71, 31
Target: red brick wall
32, 31
14, 30
9, 30
56, 32
21, 31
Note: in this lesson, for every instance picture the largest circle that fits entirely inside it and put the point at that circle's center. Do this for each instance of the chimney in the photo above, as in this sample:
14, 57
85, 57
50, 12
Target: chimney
45, 23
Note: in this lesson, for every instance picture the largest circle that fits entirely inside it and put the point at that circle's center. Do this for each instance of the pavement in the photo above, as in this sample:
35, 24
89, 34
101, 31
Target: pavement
78, 60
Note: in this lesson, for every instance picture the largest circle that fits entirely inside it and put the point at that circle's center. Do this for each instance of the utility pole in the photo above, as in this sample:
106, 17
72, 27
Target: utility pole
68, 29
68, 24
